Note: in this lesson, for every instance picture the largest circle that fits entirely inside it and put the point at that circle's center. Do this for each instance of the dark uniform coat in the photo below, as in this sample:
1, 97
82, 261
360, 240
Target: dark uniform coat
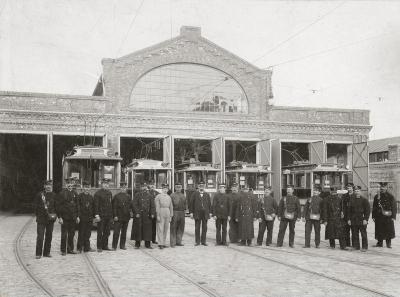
332, 214
313, 205
267, 206
359, 210
292, 205
67, 206
40, 210
143, 205
246, 212
103, 204
384, 225
198, 204
345, 205
234, 198
121, 205
220, 206
86, 207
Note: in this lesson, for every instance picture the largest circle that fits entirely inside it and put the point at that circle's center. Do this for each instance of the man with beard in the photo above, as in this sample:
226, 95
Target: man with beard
345, 210
220, 210
67, 209
332, 218
45, 217
121, 205
359, 211
267, 210
86, 214
384, 212
233, 225
143, 210
103, 215
200, 208
246, 214
288, 213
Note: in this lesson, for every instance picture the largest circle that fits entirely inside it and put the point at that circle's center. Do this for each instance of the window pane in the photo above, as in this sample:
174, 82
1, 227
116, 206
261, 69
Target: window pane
188, 87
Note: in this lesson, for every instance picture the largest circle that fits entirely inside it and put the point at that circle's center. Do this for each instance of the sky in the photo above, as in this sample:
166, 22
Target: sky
337, 54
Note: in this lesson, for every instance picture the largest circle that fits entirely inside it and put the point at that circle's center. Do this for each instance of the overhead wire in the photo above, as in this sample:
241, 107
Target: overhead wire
130, 27
298, 32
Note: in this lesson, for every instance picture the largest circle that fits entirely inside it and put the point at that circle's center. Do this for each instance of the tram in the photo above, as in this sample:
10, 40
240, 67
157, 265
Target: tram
249, 175
147, 171
92, 164
304, 176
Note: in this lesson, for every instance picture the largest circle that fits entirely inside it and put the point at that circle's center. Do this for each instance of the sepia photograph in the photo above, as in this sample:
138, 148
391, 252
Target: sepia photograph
226, 148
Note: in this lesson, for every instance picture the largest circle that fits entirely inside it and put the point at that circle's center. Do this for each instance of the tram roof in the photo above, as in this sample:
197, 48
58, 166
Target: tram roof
197, 166
245, 167
147, 164
92, 152
324, 167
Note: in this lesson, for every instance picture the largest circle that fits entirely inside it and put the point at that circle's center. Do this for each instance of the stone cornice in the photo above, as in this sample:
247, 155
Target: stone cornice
118, 123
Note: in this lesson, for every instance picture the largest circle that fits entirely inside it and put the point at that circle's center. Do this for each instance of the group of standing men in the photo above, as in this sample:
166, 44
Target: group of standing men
155, 213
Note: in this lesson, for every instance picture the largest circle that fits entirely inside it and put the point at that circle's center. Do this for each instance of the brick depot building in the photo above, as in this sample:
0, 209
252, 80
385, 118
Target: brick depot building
185, 88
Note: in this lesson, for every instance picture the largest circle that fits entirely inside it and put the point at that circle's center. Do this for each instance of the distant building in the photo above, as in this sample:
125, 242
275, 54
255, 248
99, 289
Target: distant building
384, 164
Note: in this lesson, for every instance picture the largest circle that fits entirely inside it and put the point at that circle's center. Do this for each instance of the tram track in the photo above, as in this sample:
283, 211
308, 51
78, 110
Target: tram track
18, 255
100, 282
204, 289
296, 267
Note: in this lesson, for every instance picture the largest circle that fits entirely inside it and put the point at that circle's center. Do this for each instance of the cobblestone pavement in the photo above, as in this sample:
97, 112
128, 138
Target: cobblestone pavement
202, 271
13, 279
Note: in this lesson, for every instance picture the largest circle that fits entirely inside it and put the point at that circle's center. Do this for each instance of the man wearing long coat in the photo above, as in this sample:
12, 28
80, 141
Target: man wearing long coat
144, 211
246, 214
345, 209
233, 224
103, 215
332, 218
384, 212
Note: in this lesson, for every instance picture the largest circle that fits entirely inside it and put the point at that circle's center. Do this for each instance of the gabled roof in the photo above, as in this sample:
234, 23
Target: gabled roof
381, 145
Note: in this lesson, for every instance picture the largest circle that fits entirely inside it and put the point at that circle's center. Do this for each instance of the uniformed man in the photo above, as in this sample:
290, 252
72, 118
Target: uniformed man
154, 193
67, 209
86, 215
384, 212
288, 213
246, 214
177, 226
267, 210
121, 206
345, 210
200, 211
312, 216
103, 215
45, 217
333, 219
220, 210
233, 225
164, 211
143, 211
359, 211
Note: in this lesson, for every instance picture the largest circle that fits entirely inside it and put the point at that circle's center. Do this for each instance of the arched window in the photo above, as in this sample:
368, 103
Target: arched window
188, 87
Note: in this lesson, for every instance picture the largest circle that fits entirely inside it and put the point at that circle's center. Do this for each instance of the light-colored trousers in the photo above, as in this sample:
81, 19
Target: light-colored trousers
163, 225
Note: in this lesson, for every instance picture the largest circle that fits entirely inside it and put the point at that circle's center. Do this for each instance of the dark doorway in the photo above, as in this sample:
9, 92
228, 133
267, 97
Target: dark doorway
140, 147
63, 145
240, 151
198, 150
295, 153
23, 168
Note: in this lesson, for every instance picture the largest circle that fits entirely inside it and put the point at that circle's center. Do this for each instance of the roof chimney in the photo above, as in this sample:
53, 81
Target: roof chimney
191, 32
